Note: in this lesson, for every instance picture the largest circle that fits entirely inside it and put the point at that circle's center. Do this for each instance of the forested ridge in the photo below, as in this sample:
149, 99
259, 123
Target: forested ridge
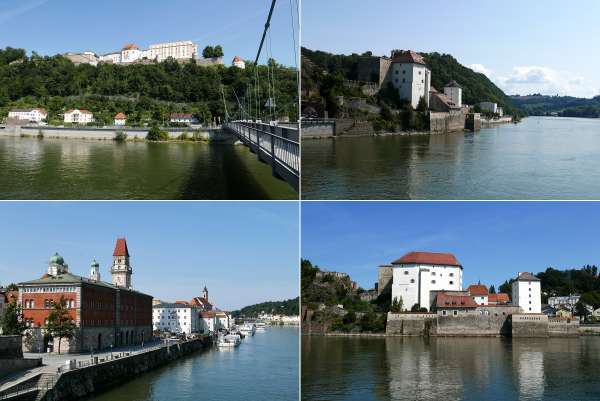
147, 93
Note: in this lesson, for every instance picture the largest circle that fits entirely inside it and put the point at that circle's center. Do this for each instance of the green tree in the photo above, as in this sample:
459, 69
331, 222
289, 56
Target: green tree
208, 52
492, 289
397, 305
12, 322
218, 51
156, 134
422, 105
506, 287
60, 325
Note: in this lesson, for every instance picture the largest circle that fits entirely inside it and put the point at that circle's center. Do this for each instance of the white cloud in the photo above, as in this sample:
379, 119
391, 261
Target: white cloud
529, 79
481, 68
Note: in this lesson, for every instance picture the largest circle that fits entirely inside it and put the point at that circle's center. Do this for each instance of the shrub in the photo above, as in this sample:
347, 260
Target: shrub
120, 136
155, 134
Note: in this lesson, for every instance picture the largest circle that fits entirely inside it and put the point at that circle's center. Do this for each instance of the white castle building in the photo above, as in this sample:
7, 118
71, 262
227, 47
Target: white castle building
176, 318
453, 91
416, 274
131, 53
35, 115
410, 76
527, 293
78, 116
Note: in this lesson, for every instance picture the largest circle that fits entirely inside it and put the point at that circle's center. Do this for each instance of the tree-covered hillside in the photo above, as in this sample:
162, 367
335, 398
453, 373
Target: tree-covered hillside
444, 68
289, 307
145, 92
563, 106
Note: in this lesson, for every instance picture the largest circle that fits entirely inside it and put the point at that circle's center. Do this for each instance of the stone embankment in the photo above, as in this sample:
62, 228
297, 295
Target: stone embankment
203, 134
11, 356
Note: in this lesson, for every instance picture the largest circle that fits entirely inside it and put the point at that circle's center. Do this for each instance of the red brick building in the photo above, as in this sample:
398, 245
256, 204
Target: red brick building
106, 314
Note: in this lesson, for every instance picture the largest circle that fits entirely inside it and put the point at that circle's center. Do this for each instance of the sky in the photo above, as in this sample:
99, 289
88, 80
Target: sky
492, 240
57, 26
244, 252
547, 47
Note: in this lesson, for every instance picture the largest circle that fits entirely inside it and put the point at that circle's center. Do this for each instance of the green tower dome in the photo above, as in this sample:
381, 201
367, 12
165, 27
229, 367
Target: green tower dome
56, 259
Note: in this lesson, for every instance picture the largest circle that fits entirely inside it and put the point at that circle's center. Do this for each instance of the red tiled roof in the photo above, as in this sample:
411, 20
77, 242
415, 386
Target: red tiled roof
201, 301
444, 300
477, 290
408, 56
428, 258
130, 46
525, 276
121, 248
500, 298
182, 302
120, 116
181, 115
236, 59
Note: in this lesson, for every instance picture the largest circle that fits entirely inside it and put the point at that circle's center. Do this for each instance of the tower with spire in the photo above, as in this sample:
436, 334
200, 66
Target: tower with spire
121, 269
205, 293
57, 265
95, 271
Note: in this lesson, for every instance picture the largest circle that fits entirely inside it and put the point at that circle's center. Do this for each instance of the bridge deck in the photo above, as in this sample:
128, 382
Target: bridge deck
275, 145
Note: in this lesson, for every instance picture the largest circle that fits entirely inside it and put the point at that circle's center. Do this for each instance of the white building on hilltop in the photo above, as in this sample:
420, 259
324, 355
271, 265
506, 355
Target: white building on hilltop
77, 116
410, 76
36, 115
417, 273
177, 318
454, 92
178, 50
527, 293
238, 62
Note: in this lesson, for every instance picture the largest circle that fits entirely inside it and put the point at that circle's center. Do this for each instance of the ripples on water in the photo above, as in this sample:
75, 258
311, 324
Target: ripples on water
540, 158
450, 369
263, 367
79, 169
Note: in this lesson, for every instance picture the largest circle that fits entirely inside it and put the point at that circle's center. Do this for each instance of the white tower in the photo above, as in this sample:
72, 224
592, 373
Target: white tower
527, 293
57, 265
454, 92
95, 271
410, 76
121, 270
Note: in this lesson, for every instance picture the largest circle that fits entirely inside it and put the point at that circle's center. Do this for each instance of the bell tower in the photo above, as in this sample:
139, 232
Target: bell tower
205, 293
121, 269
95, 271
57, 265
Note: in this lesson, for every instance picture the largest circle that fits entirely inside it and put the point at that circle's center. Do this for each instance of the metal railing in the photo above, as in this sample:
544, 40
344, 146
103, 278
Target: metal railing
278, 143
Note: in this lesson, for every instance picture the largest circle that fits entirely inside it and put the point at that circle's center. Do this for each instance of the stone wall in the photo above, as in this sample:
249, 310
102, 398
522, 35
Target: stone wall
10, 347
529, 325
350, 126
558, 327
384, 279
473, 122
325, 130
472, 325
73, 385
452, 121
410, 324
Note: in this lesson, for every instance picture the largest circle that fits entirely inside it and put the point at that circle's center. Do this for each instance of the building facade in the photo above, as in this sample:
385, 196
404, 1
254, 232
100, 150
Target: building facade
105, 315
489, 106
36, 115
410, 76
479, 293
120, 119
238, 62
526, 293
454, 92
416, 274
178, 50
77, 116
180, 318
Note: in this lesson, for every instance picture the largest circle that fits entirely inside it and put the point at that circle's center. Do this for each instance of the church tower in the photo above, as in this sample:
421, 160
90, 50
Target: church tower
95, 271
57, 265
121, 270
205, 293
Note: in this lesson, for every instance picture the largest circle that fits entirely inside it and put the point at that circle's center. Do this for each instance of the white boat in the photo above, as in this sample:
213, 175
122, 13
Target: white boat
260, 326
248, 329
229, 340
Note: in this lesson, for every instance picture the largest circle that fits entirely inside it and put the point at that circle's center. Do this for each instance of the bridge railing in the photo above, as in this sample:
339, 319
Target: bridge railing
278, 142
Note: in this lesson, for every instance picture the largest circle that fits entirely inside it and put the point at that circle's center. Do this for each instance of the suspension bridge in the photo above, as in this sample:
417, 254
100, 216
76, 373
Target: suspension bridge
276, 143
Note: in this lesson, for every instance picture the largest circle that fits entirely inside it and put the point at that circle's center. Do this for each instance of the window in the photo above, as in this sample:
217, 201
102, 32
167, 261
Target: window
444, 313
529, 289
455, 313
433, 273
412, 280
403, 80
406, 272
432, 281
451, 282
451, 274
419, 72
404, 71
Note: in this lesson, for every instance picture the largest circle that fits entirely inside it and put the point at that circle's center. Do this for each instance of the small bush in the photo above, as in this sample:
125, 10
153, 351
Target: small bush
155, 134
120, 136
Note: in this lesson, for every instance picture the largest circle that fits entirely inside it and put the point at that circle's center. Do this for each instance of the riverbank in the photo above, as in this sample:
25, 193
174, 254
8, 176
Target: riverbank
216, 135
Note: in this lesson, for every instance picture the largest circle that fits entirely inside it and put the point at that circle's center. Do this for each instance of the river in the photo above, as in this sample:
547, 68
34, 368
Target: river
450, 369
539, 158
47, 168
263, 367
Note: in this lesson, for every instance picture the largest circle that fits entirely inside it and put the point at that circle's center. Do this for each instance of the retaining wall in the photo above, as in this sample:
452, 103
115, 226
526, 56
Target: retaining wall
10, 347
529, 325
79, 383
441, 122
563, 327
410, 324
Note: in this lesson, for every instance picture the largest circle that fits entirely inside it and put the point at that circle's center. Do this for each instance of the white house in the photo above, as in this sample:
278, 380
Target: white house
37, 115
77, 116
526, 293
114, 58
208, 321
176, 318
410, 76
130, 53
183, 118
568, 301
238, 62
222, 320
417, 273
489, 106
120, 119
479, 293
178, 50
454, 92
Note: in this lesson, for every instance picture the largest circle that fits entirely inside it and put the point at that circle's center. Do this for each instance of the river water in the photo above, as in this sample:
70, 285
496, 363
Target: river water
539, 158
450, 369
263, 367
90, 169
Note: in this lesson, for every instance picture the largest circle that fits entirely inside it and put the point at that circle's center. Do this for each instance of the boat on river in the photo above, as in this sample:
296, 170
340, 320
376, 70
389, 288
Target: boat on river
229, 341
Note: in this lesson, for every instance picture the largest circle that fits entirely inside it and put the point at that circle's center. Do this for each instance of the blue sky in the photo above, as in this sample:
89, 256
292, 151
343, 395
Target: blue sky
523, 46
57, 26
244, 252
492, 240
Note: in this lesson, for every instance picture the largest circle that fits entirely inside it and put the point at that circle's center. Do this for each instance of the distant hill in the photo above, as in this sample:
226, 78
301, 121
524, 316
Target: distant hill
564, 106
289, 307
444, 68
